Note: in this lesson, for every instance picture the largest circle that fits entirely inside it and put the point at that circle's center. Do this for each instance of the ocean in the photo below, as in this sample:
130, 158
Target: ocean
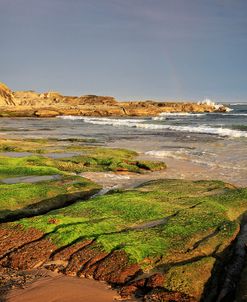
216, 142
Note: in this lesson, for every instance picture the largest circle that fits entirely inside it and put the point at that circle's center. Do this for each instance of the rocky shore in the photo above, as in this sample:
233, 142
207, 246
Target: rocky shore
164, 240
52, 104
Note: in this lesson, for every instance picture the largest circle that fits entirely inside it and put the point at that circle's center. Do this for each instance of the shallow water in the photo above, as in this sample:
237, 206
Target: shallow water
30, 179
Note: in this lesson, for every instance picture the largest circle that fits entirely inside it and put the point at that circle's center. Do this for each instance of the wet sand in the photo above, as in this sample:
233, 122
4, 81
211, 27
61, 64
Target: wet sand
220, 162
59, 288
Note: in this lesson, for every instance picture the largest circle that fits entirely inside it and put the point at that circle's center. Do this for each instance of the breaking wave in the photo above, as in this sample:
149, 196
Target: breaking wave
239, 114
164, 115
181, 114
143, 124
238, 104
197, 129
103, 121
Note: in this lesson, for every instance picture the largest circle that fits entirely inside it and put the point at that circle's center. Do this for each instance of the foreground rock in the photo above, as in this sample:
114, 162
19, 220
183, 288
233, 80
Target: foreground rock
33, 184
52, 104
167, 240
22, 199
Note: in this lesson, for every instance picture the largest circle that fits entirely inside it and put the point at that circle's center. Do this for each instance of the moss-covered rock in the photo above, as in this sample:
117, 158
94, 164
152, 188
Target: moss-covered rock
190, 278
175, 227
27, 199
87, 158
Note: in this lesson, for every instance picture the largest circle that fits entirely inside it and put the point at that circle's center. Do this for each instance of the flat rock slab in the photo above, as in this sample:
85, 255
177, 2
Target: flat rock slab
30, 179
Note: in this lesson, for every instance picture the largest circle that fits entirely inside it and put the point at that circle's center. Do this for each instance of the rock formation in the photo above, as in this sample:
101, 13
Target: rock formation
6, 96
51, 104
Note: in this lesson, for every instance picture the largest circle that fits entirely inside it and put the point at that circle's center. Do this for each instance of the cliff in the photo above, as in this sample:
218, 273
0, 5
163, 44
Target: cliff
51, 104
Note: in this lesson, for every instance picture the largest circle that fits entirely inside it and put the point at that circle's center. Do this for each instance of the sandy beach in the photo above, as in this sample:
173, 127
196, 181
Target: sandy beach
59, 288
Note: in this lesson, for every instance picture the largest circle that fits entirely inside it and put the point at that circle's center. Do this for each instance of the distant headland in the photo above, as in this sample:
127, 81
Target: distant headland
52, 104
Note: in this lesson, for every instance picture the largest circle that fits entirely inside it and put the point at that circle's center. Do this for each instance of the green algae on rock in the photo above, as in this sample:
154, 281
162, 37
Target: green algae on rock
37, 197
13, 167
27, 199
88, 158
173, 227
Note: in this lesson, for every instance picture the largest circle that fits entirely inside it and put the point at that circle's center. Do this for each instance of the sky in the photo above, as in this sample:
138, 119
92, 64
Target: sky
130, 49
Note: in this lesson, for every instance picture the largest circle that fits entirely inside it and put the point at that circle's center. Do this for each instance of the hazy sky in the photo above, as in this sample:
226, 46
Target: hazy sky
131, 49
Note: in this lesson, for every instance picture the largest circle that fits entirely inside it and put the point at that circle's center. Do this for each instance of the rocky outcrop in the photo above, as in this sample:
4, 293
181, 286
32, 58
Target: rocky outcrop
121, 238
51, 104
6, 96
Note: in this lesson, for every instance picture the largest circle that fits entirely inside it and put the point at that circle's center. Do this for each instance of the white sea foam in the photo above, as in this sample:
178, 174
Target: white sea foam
181, 114
102, 120
237, 104
228, 109
180, 154
164, 153
235, 114
163, 116
206, 102
139, 123
215, 105
71, 117
198, 129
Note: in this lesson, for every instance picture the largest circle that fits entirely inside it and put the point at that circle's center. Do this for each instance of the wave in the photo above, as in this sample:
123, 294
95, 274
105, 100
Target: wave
163, 116
237, 104
102, 120
182, 114
160, 117
178, 113
71, 117
197, 129
139, 123
235, 114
